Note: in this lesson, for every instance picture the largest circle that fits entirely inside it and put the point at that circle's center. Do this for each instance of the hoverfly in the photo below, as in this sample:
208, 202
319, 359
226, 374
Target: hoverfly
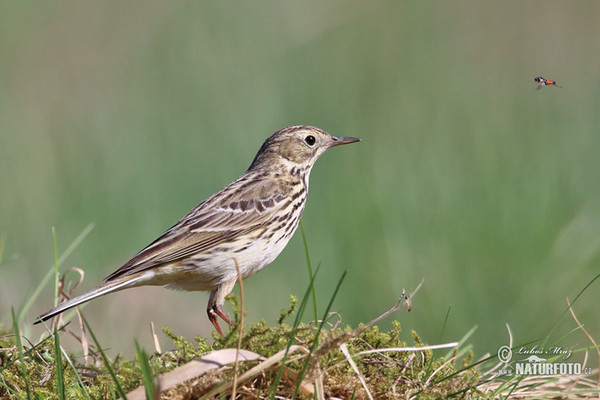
544, 82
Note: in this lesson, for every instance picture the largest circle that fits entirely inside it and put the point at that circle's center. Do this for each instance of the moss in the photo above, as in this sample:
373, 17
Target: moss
388, 374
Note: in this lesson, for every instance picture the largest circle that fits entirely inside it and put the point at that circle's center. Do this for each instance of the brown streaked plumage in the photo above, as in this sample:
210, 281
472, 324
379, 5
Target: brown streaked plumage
248, 222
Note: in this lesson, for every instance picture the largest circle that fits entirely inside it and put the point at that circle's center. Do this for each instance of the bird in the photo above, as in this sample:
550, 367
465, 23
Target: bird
243, 226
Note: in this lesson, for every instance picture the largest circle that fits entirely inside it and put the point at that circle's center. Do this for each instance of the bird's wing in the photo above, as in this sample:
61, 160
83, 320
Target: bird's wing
237, 209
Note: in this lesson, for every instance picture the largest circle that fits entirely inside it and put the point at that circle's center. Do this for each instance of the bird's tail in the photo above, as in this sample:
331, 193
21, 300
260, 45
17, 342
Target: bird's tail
105, 288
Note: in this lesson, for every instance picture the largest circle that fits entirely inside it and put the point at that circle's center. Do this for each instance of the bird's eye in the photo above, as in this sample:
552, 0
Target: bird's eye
310, 140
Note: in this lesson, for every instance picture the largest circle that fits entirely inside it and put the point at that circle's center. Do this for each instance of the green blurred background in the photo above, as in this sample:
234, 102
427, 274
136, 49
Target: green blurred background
128, 114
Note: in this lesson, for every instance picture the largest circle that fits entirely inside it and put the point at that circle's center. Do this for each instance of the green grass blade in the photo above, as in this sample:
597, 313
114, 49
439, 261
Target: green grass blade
56, 274
444, 324
293, 333
60, 381
566, 311
316, 341
462, 341
146, 371
111, 371
20, 351
309, 267
81, 386
61, 260
63, 257
60, 377
430, 364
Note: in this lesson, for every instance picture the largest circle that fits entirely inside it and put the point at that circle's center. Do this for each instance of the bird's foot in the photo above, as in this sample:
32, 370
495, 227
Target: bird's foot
214, 311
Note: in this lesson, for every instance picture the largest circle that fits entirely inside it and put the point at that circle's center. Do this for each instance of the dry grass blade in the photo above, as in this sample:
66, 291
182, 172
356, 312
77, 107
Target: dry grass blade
546, 387
85, 344
193, 369
493, 369
306, 387
412, 349
586, 334
155, 339
64, 292
263, 366
361, 378
239, 343
319, 386
219, 359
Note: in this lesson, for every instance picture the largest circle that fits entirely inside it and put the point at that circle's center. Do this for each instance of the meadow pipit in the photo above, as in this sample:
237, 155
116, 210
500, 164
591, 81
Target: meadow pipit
249, 223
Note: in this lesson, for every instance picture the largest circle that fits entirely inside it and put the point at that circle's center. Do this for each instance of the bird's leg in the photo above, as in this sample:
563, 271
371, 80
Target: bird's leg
219, 311
215, 311
212, 317
215, 305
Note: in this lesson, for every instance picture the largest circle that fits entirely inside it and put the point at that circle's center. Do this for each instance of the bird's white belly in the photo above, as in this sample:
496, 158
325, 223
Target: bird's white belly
209, 270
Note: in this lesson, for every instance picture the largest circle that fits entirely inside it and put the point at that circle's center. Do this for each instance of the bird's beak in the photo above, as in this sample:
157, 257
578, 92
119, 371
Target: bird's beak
339, 140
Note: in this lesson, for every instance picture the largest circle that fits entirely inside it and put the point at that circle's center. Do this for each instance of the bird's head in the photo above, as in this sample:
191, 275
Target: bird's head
301, 145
